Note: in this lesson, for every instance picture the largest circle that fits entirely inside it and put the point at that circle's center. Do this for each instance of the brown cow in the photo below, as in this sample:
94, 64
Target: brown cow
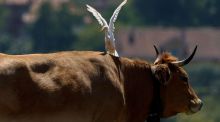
89, 86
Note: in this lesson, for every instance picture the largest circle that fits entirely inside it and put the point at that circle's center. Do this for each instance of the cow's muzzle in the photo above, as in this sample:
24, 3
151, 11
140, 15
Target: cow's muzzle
195, 106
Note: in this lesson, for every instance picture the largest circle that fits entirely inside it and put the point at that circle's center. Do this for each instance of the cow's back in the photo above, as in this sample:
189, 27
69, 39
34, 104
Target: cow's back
77, 86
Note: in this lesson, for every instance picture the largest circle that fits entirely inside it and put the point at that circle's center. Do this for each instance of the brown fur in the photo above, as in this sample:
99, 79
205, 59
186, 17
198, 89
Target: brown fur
74, 87
177, 95
165, 57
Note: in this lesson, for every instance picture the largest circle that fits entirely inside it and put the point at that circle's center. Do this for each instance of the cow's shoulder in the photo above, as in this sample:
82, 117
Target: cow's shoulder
11, 65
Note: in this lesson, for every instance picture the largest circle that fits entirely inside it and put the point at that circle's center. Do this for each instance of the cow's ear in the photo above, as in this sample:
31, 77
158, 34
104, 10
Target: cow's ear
162, 73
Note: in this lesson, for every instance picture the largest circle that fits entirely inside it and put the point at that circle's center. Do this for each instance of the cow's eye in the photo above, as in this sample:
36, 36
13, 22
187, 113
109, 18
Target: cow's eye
184, 78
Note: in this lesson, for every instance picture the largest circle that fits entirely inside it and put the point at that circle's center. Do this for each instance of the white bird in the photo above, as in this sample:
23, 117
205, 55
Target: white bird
109, 29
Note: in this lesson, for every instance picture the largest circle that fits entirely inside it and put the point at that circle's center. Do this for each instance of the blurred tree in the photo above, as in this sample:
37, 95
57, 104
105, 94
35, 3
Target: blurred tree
127, 15
4, 37
11, 45
14, 21
80, 2
181, 13
90, 38
13, 38
53, 31
5, 42
4, 14
22, 45
213, 10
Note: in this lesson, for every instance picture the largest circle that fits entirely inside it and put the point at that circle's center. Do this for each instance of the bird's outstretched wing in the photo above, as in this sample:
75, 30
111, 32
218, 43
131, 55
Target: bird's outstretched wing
97, 15
115, 15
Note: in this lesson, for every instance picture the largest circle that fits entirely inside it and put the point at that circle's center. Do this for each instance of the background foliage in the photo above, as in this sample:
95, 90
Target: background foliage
57, 30
179, 13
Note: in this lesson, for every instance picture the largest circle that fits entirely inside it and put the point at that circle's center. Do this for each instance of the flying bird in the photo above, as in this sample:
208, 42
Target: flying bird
108, 28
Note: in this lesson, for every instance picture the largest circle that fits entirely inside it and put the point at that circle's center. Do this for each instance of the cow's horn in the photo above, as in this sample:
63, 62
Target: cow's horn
186, 61
157, 52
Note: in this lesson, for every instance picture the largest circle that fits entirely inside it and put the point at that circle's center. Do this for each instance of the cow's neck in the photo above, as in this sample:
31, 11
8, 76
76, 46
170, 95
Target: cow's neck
138, 85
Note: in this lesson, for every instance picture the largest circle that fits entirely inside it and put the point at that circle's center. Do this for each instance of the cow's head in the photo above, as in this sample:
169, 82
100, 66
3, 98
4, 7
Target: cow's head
176, 93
